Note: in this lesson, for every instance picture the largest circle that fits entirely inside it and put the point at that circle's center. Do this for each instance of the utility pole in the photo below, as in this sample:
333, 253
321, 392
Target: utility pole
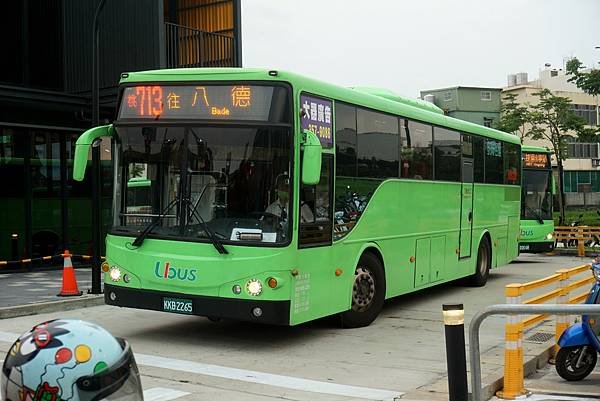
96, 190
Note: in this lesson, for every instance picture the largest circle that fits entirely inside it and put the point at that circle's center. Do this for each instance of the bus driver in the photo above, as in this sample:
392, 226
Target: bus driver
279, 208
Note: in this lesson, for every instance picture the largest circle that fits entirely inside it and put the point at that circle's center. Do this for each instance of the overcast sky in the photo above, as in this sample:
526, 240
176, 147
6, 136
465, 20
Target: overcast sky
408, 46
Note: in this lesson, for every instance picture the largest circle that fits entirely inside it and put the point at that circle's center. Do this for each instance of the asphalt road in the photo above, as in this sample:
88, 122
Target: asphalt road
22, 288
402, 354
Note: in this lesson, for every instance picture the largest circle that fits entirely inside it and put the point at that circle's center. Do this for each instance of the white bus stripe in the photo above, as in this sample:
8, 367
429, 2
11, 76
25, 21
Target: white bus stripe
289, 382
163, 394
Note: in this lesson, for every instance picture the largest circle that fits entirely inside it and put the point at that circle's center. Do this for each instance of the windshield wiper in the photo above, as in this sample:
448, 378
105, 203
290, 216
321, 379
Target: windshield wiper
536, 214
209, 232
140, 238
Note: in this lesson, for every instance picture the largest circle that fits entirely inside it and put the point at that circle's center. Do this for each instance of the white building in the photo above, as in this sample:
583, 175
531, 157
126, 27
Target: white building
582, 168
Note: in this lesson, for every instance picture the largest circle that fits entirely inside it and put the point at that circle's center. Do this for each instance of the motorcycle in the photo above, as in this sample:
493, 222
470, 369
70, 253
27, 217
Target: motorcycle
580, 343
574, 223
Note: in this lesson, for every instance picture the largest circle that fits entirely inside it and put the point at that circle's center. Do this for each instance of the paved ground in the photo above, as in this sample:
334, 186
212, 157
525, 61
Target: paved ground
401, 355
546, 382
42, 286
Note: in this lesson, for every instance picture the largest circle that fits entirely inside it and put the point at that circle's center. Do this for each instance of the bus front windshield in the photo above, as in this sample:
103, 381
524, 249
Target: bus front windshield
231, 181
536, 196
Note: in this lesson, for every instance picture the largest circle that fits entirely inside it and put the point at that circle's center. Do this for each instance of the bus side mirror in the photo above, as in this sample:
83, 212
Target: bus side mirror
88, 139
553, 185
311, 159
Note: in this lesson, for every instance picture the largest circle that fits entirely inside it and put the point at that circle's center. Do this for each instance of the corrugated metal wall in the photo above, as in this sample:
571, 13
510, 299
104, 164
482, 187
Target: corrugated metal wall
130, 40
207, 15
203, 34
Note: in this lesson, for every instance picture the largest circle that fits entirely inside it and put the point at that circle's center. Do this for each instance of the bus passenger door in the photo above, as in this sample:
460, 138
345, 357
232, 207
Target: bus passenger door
466, 214
311, 288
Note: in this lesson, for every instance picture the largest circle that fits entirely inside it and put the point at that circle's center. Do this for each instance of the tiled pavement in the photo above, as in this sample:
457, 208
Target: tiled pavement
42, 286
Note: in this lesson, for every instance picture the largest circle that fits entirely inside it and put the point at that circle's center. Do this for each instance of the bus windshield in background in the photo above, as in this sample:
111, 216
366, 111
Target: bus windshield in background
536, 196
236, 180
238, 101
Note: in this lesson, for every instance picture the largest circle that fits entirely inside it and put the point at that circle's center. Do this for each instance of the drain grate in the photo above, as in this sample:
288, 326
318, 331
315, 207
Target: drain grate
540, 338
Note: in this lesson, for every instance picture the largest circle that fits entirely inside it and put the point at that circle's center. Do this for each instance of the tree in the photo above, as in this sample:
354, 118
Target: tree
589, 82
513, 116
553, 119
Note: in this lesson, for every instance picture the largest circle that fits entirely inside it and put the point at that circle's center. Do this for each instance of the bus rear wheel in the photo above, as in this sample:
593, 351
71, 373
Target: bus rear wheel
484, 261
368, 293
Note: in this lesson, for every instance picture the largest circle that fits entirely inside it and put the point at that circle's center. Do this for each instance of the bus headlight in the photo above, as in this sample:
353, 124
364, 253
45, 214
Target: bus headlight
254, 287
115, 273
549, 236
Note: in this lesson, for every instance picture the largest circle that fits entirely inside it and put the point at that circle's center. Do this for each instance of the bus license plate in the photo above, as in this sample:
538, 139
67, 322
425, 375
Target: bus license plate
523, 247
178, 305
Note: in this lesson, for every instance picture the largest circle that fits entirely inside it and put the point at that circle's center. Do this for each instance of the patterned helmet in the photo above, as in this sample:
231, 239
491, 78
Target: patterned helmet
70, 360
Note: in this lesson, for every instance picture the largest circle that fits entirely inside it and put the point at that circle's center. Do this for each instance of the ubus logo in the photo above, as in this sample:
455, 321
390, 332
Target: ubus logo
174, 273
526, 233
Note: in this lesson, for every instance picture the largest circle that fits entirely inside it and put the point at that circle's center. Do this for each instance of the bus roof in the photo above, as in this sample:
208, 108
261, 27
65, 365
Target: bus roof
534, 149
400, 106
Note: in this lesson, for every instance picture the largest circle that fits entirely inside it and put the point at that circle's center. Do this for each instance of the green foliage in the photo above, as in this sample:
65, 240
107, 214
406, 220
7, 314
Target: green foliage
136, 171
590, 217
553, 119
513, 116
589, 82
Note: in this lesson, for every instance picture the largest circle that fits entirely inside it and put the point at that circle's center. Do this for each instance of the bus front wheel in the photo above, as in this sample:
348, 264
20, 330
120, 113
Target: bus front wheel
482, 269
368, 292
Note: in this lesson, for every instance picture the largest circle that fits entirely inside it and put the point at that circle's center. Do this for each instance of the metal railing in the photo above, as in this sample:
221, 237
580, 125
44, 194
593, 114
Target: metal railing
189, 47
511, 310
576, 236
516, 325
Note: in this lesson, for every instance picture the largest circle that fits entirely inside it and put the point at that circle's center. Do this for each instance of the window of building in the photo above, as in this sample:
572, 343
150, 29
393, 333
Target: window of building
486, 96
448, 96
377, 144
583, 150
487, 122
13, 147
512, 164
345, 140
416, 153
587, 112
494, 162
446, 150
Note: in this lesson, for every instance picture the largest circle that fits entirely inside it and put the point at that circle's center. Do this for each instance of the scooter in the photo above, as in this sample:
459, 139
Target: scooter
580, 343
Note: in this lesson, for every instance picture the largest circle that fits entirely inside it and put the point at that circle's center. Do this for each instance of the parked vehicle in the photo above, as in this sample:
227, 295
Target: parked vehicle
580, 343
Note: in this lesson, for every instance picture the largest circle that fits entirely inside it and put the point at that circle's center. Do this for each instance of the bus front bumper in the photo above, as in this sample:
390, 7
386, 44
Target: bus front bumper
536, 247
270, 312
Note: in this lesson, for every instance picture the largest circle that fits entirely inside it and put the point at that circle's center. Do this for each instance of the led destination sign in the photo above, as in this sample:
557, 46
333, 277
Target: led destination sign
232, 102
535, 160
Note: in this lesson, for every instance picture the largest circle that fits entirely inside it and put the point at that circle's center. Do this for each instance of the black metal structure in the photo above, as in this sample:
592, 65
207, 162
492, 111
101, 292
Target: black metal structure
47, 99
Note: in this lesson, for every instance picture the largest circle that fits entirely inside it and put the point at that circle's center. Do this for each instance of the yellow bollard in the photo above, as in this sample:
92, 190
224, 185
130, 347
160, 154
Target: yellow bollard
513, 348
580, 243
562, 321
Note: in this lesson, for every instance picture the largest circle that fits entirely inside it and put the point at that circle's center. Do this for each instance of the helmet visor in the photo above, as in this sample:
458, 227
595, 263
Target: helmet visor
120, 382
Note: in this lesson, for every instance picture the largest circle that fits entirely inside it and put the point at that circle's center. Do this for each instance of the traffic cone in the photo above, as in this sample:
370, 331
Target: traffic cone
69, 281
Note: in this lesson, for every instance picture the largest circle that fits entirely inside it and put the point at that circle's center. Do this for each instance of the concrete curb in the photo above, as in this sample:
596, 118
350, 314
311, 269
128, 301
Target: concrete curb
53, 306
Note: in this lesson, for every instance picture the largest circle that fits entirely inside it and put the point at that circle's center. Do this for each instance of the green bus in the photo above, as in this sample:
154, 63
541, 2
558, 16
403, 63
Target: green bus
537, 224
281, 199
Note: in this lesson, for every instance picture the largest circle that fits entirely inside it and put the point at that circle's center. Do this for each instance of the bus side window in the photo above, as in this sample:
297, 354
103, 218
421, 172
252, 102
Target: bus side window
315, 209
417, 153
478, 159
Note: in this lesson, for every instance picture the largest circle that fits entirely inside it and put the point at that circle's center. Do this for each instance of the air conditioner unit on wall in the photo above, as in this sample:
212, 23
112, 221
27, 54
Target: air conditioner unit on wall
595, 162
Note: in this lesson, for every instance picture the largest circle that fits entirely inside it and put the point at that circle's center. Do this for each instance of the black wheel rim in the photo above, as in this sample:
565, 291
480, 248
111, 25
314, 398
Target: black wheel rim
574, 356
363, 290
